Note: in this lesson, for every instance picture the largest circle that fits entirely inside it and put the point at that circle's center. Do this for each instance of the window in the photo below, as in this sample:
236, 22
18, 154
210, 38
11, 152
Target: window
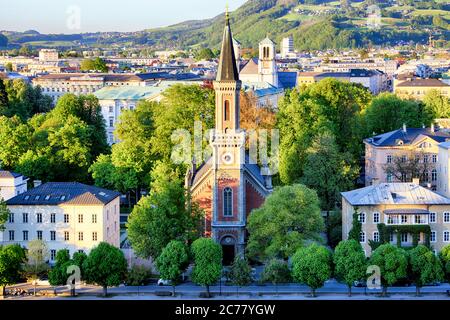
227, 202
94, 236
362, 237
11, 235
39, 235
432, 217
389, 158
66, 236
433, 236
107, 215
226, 111
389, 177
362, 217
80, 251
404, 219
376, 236
11, 218
391, 237
376, 217
94, 218
404, 158
66, 218
80, 236
446, 236
403, 177
39, 218
404, 237
434, 158
80, 218
52, 254
53, 218
110, 109
53, 235
425, 159
25, 217
111, 122
434, 175
446, 216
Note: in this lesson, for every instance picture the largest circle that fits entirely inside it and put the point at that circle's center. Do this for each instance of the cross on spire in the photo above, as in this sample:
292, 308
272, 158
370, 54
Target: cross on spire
227, 13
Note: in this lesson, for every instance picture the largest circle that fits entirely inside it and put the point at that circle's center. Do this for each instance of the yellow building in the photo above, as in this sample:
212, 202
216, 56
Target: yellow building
399, 206
418, 88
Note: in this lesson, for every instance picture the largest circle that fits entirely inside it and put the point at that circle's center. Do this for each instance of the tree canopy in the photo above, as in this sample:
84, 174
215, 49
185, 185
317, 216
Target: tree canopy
207, 262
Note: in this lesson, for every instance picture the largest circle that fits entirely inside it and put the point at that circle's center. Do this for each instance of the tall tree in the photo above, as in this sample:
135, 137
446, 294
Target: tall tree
58, 276
356, 229
289, 217
12, 258
393, 264
425, 266
311, 265
350, 263
172, 261
276, 271
241, 272
3, 98
37, 257
207, 262
4, 214
436, 105
105, 266
444, 256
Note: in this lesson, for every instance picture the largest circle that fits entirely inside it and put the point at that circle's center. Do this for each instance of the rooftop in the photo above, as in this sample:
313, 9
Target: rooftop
393, 138
9, 174
57, 193
394, 193
423, 83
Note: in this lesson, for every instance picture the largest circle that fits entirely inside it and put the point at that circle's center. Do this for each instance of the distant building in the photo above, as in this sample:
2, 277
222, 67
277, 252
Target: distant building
383, 149
48, 55
66, 215
287, 47
374, 80
345, 64
397, 205
113, 100
12, 184
418, 88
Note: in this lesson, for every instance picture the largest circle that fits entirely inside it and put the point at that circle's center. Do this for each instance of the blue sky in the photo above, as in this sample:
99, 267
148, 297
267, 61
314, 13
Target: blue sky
60, 16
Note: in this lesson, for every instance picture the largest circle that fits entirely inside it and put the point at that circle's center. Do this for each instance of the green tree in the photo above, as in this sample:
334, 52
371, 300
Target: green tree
387, 112
327, 105
15, 141
436, 105
58, 276
105, 266
241, 272
207, 262
172, 262
311, 265
25, 51
9, 67
356, 229
329, 172
350, 263
3, 98
138, 275
96, 64
37, 257
4, 214
204, 54
11, 259
425, 266
444, 256
163, 216
289, 217
276, 271
393, 264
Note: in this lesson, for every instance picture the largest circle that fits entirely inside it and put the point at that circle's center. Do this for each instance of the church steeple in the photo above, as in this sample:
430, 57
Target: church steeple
227, 70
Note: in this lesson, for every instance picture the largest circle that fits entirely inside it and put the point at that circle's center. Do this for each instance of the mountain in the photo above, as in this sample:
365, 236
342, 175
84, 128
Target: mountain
315, 24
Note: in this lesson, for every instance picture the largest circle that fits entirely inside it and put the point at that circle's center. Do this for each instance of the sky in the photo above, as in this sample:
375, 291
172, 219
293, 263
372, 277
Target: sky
77, 16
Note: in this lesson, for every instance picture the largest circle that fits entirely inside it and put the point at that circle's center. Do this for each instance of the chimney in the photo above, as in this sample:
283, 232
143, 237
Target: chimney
432, 129
404, 128
37, 183
416, 181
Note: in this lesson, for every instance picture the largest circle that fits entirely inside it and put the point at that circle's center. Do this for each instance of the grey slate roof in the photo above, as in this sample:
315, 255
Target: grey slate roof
56, 193
391, 138
9, 174
394, 193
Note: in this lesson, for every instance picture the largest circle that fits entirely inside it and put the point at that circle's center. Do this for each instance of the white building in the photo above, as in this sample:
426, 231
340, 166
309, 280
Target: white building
48, 55
287, 47
66, 215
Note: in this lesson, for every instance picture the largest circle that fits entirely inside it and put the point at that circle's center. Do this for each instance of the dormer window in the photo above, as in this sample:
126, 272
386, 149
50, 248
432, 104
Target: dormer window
47, 197
27, 198
399, 142
37, 197
63, 198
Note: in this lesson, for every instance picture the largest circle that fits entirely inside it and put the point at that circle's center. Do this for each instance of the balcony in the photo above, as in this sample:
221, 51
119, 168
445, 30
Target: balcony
406, 217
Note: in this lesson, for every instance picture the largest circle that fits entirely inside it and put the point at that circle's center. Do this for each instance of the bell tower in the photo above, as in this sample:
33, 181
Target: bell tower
267, 65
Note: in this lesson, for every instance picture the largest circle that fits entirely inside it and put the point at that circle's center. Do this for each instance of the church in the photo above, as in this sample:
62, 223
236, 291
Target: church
228, 186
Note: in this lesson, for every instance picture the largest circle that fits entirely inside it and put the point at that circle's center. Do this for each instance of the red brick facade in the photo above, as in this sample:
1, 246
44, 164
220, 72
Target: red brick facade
254, 199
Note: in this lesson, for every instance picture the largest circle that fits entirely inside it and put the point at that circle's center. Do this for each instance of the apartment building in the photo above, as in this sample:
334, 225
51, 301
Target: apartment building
406, 144
418, 88
397, 204
47, 55
66, 215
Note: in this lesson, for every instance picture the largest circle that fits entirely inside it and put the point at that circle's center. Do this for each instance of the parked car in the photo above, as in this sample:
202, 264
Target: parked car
360, 283
163, 282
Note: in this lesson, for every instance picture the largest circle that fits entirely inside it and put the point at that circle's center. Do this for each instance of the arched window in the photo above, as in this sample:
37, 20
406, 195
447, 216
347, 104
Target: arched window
226, 111
227, 202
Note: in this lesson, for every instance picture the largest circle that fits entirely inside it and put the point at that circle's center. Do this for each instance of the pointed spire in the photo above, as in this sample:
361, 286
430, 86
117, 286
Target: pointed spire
227, 70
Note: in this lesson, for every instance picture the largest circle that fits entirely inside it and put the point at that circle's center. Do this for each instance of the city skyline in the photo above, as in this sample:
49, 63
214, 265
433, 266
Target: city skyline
83, 16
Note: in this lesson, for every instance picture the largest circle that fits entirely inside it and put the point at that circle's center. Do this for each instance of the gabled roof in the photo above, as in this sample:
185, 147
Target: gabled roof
423, 83
227, 70
394, 193
251, 67
393, 137
9, 174
58, 193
